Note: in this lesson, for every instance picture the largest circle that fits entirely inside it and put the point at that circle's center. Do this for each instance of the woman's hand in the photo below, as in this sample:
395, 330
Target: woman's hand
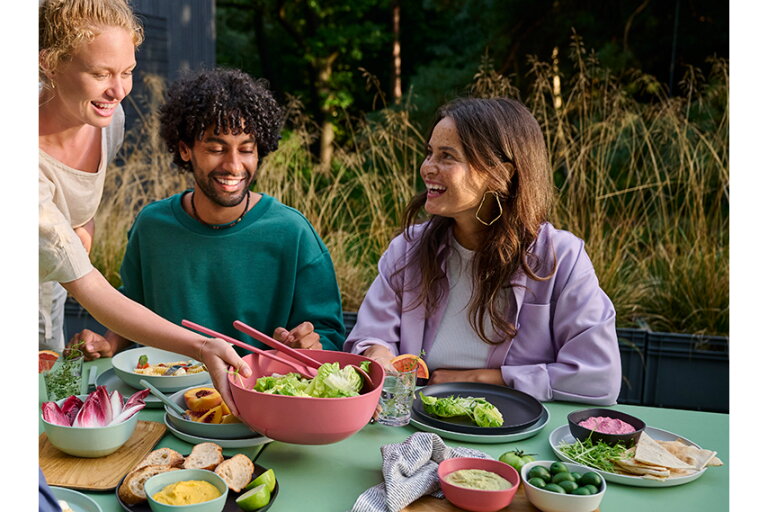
301, 336
381, 355
218, 356
484, 376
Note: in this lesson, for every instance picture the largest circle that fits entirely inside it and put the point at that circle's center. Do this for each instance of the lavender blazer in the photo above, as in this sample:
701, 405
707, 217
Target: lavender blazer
566, 346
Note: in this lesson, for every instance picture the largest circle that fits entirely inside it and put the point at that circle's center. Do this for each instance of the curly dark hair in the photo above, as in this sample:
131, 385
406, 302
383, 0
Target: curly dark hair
229, 100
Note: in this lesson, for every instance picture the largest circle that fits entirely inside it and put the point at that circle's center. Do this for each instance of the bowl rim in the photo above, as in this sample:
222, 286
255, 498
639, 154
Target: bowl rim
120, 356
546, 463
515, 485
231, 379
179, 472
611, 413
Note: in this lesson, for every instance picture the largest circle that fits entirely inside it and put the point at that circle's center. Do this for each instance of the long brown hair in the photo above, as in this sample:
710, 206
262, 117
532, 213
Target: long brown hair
503, 142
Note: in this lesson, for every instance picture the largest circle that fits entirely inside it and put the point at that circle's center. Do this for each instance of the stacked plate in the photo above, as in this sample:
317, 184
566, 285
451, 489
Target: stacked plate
226, 435
123, 378
524, 416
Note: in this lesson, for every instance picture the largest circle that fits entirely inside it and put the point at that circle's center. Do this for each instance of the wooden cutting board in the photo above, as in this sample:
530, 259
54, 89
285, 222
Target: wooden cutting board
519, 503
103, 473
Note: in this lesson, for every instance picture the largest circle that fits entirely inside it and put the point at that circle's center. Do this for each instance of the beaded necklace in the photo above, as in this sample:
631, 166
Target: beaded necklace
219, 226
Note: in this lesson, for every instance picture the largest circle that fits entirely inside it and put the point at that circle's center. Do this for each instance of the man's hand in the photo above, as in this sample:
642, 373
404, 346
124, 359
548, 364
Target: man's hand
92, 345
302, 336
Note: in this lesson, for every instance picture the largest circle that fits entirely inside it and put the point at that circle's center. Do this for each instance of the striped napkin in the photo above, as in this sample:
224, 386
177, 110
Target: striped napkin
410, 472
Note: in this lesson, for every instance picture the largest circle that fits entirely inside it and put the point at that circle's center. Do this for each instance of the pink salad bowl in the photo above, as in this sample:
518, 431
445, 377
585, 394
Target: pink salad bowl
476, 500
304, 420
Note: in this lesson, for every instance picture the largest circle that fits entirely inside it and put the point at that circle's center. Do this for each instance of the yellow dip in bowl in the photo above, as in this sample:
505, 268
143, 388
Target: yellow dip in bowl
478, 479
187, 492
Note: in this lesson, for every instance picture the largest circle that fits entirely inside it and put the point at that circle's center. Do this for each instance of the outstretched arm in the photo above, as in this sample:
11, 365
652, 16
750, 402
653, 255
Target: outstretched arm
133, 321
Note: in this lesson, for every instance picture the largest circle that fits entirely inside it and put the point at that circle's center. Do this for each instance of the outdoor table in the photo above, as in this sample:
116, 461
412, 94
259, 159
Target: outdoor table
331, 477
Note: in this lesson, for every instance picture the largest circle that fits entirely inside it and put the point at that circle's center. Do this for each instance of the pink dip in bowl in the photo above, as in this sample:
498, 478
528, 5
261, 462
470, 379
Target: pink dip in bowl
607, 425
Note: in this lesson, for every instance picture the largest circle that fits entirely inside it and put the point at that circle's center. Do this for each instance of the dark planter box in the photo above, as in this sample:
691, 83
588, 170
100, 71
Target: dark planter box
76, 319
632, 348
687, 372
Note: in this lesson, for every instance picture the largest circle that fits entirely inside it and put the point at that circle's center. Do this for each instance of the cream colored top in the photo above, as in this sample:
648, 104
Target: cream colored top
457, 345
69, 198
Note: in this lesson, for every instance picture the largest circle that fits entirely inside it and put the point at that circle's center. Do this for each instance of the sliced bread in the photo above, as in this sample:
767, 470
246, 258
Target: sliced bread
131, 491
237, 471
162, 457
204, 456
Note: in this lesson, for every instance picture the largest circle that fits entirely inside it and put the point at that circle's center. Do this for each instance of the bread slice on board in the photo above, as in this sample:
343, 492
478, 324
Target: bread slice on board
237, 471
162, 457
131, 491
204, 456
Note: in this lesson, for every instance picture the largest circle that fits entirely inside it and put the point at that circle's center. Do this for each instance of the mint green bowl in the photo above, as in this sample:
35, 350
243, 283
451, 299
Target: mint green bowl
158, 482
90, 442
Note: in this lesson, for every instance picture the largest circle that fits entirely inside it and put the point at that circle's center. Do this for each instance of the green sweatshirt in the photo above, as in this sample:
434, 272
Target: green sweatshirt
269, 270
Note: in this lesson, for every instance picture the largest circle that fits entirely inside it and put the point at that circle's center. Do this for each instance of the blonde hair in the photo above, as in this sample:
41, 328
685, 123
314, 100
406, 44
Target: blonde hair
64, 25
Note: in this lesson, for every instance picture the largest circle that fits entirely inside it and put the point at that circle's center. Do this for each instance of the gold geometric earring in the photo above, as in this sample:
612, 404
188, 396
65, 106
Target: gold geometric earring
480, 207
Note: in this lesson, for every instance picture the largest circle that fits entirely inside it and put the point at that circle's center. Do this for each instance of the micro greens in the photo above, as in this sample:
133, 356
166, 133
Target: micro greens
597, 455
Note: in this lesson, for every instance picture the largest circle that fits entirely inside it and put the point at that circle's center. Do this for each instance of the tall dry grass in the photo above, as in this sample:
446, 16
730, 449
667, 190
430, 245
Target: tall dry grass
644, 183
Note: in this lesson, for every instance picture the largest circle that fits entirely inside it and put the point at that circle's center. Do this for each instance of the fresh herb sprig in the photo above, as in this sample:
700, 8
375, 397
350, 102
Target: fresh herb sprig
597, 455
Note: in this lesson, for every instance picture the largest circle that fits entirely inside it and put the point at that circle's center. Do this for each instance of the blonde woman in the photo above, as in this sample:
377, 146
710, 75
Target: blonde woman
87, 57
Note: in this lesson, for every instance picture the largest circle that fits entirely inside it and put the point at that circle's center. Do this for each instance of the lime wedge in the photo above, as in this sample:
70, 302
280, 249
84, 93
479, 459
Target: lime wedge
267, 478
254, 499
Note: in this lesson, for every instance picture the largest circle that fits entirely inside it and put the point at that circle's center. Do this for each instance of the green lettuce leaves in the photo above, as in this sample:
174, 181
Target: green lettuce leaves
331, 381
479, 410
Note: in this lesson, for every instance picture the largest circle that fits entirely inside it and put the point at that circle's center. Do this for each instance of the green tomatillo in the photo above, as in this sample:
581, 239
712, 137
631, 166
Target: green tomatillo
517, 458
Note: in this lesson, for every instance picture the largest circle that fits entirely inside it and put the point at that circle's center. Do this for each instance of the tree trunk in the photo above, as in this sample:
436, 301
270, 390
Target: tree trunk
397, 91
324, 69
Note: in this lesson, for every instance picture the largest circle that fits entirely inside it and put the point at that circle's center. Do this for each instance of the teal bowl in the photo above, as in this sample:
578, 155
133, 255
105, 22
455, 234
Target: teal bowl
90, 442
124, 364
158, 482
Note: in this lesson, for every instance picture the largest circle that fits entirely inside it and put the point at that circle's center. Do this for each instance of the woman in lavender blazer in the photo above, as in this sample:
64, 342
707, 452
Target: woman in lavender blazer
486, 289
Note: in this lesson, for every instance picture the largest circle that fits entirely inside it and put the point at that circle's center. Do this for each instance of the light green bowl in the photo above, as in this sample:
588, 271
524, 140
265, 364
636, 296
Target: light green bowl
158, 482
90, 442
125, 362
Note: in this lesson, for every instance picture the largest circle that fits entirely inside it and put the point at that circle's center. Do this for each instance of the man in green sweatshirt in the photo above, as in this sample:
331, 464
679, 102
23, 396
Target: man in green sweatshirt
220, 252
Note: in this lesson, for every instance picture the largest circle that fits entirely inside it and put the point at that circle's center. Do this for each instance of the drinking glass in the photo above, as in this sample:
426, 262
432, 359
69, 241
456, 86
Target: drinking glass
65, 378
397, 397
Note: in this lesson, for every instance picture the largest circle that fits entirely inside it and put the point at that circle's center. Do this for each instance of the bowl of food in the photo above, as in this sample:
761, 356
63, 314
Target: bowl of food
554, 486
186, 490
478, 485
302, 417
606, 425
207, 415
91, 425
167, 371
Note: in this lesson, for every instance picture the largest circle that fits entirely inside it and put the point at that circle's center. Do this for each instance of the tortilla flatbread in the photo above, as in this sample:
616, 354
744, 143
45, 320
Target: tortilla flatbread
697, 457
649, 451
635, 468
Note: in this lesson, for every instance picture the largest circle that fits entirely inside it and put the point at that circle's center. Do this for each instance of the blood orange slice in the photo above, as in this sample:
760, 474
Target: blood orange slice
406, 362
46, 360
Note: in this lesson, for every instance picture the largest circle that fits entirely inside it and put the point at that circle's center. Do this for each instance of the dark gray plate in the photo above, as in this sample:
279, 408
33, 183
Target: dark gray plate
229, 506
520, 410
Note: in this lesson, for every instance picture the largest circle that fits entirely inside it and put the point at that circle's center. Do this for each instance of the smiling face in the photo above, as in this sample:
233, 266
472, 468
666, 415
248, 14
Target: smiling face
223, 165
454, 188
95, 79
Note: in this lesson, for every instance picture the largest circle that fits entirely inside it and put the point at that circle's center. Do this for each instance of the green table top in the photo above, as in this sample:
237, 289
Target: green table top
331, 477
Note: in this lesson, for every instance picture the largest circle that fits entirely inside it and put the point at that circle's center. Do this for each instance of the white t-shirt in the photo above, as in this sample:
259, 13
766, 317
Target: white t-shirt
457, 345
69, 198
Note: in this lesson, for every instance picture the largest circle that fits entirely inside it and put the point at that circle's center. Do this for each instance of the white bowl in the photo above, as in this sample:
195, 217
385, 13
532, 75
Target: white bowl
125, 362
548, 501
90, 442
